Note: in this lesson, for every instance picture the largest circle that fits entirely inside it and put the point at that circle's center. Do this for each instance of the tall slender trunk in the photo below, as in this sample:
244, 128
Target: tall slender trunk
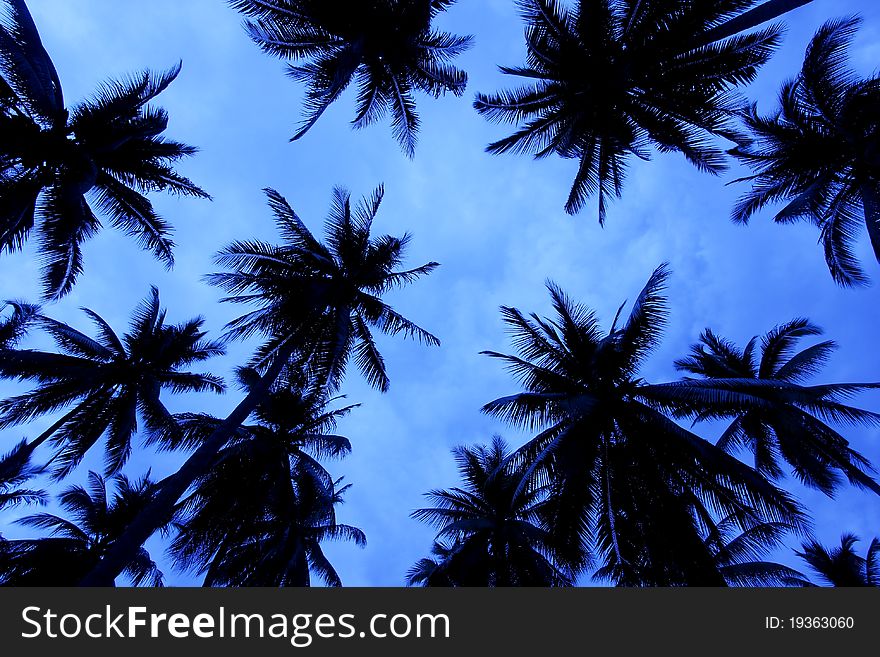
749, 19
157, 513
871, 203
301, 568
25, 453
610, 508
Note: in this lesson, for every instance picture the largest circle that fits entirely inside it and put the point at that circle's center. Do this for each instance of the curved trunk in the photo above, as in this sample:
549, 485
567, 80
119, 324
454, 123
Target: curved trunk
156, 514
25, 453
749, 19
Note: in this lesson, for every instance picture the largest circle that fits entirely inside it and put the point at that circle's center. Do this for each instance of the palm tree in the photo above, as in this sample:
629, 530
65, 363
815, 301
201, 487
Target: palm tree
820, 152
315, 305
387, 47
14, 471
51, 157
626, 483
792, 425
321, 299
495, 522
15, 467
841, 566
75, 545
257, 518
605, 80
740, 555
107, 380
279, 548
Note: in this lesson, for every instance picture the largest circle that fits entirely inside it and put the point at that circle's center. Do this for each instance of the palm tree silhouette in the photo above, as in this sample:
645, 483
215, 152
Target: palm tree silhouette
740, 555
16, 467
257, 518
109, 381
315, 305
496, 523
51, 157
625, 481
281, 547
820, 152
321, 300
607, 79
75, 545
841, 566
792, 424
387, 47
15, 470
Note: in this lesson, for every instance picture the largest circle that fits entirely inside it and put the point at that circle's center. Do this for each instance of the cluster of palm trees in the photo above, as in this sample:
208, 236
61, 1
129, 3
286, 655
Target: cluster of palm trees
612, 483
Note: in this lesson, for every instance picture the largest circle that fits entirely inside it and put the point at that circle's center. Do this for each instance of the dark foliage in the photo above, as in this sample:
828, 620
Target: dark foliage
605, 80
315, 305
107, 380
627, 484
841, 566
819, 153
51, 157
321, 300
495, 523
388, 48
74, 545
258, 518
792, 424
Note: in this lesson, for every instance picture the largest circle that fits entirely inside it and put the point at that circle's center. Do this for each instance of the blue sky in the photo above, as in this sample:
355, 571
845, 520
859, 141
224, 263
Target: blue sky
496, 225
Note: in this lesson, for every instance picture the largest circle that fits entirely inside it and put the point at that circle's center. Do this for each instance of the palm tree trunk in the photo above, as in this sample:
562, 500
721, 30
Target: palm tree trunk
750, 19
25, 453
156, 514
611, 520
871, 204
301, 567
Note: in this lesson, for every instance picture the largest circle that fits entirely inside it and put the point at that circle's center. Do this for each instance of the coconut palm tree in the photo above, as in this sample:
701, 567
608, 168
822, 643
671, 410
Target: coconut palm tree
104, 383
322, 300
607, 80
819, 153
315, 304
50, 157
625, 482
256, 519
739, 554
841, 566
387, 47
496, 524
793, 425
76, 544
279, 547
14, 471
